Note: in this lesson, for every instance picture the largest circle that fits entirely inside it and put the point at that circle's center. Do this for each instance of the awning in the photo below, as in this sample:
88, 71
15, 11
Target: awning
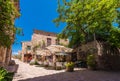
43, 52
61, 54
58, 48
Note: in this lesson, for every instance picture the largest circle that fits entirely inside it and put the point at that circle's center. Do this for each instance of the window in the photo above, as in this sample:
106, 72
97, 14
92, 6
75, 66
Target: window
48, 34
48, 41
28, 47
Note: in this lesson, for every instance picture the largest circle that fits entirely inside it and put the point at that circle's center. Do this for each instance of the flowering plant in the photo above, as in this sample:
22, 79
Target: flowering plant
70, 64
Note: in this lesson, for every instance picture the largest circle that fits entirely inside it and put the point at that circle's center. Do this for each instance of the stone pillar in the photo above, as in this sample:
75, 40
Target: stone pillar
22, 56
2, 56
8, 55
54, 60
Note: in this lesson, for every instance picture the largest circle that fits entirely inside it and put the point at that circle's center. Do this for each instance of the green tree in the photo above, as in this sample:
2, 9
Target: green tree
87, 20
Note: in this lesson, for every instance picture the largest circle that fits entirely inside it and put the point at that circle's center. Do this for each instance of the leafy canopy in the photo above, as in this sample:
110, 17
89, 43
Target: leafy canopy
84, 18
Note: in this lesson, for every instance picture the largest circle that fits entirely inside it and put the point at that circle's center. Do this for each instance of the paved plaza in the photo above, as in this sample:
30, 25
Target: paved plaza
32, 73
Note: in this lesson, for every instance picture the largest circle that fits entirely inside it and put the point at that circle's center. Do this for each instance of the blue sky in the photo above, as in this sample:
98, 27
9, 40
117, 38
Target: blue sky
35, 14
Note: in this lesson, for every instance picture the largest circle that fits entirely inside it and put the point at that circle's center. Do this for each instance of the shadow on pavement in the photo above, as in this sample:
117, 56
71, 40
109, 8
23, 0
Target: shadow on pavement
80, 75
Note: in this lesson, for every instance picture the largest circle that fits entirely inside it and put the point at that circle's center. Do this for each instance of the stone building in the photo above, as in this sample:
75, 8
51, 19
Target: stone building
5, 53
40, 40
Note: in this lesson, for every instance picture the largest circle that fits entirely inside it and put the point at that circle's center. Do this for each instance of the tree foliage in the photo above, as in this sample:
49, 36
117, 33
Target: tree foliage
88, 18
118, 17
8, 13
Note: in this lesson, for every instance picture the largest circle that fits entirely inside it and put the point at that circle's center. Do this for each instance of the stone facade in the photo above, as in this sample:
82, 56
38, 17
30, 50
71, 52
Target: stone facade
41, 39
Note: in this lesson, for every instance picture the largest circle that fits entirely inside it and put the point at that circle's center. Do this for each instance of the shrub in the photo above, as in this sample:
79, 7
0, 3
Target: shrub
70, 64
5, 76
91, 62
69, 67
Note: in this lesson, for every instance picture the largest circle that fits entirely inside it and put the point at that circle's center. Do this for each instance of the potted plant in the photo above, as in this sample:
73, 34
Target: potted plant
69, 67
91, 62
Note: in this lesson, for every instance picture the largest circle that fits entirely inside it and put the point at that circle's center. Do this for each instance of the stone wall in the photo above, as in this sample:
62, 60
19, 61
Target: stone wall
109, 57
2, 56
85, 49
5, 56
39, 38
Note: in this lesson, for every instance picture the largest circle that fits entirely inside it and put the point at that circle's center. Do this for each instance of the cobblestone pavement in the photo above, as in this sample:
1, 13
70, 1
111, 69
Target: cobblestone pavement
31, 73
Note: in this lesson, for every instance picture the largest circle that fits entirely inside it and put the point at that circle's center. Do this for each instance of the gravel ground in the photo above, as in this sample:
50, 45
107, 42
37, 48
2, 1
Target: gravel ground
32, 73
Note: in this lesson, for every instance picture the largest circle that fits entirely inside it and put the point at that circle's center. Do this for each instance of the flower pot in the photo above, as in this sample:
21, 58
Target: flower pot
91, 68
69, 69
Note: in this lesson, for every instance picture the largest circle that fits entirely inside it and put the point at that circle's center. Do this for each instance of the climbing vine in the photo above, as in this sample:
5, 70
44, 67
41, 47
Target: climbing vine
8, 12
